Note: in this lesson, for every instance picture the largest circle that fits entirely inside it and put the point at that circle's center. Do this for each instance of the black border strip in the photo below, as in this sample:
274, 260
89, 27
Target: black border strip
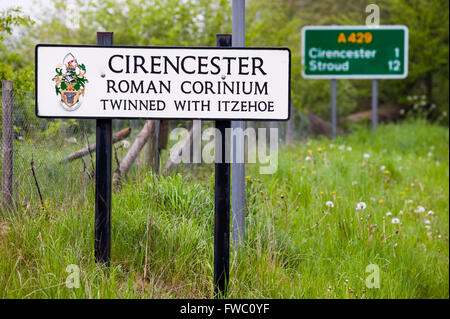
159, 47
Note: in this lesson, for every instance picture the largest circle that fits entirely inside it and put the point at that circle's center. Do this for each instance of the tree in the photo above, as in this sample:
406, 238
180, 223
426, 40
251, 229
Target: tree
11, 67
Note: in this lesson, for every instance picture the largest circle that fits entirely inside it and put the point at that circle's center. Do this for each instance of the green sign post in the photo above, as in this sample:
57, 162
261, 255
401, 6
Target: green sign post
354, 52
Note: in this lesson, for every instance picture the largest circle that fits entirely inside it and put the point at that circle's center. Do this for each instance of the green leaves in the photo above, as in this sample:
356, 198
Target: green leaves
83, 67
63, 85
57, 90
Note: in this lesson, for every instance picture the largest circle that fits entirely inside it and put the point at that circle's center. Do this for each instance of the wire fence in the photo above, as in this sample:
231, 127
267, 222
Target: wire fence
42, 175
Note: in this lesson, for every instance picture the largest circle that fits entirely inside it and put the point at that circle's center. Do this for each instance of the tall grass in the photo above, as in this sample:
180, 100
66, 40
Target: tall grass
296, 246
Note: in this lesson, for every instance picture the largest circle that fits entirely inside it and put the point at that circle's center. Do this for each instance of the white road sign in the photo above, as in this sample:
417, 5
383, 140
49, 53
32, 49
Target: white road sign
162, 82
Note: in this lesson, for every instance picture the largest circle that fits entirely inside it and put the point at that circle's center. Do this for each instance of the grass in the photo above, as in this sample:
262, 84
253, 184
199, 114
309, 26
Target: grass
296, 246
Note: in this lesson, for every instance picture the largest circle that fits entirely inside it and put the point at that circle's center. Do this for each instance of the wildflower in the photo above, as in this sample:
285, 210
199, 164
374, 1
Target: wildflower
308, 158
419, 209
319, 149
429, 154
313, 172
430, 212
395, 221
331, 145
341, 147
330, 289
401, 212
409, 201
402, 193
382, 168
361, 206
387, 172
339, 197
310, 152
388, 214
346, 282
380, 201
333, 192
366, 156
427, 227
427, 222
349, 148
354, 183
125, 144
330, 204
322, 192
247, 177
303, 166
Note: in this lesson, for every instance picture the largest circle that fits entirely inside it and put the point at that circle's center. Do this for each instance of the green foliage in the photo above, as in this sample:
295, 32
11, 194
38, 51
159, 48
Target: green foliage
296, 246
10, 18
268, 23
10, 67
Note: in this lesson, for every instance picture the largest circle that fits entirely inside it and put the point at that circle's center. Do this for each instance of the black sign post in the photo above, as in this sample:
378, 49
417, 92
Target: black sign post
222, 201
102, 245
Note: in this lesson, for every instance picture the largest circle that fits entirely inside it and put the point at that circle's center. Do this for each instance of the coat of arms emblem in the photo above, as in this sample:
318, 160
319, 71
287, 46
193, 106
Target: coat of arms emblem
70, 82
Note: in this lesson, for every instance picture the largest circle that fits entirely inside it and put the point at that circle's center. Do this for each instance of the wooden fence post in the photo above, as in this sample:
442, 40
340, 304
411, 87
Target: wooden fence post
7, 146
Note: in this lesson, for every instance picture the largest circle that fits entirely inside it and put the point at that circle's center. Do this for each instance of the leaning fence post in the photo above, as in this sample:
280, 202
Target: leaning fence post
7, 146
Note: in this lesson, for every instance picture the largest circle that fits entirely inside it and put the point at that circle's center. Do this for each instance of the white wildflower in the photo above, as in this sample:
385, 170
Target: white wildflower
354, 183
330, 204
395, 221
366, 156
400, 213
307, 158
427, 221
430, 212
419, 209
125, 144
341, 147
388, 214
349, 148
383, 168
427, 227
361, 206
429, 154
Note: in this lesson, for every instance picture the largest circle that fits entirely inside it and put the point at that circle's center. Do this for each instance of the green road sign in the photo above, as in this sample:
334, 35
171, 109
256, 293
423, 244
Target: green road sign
355, 52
